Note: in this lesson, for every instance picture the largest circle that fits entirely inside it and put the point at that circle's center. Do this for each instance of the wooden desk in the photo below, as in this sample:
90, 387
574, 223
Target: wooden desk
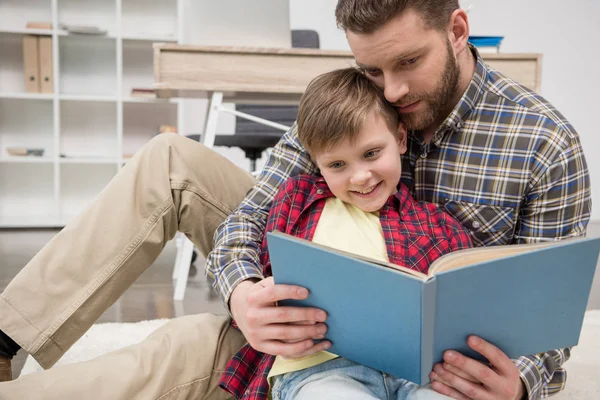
245, 75
263, 74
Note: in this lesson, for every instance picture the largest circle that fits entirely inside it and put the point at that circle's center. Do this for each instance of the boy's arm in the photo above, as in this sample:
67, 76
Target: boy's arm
235, 257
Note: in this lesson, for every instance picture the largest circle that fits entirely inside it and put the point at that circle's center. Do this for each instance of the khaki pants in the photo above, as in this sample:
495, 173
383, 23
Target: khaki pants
173, 184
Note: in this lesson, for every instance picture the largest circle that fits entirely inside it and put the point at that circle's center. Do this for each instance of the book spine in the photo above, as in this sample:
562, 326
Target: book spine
428, 300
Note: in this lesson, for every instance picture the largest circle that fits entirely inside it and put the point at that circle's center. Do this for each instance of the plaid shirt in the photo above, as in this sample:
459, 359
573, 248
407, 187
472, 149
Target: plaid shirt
416, 234
505, 163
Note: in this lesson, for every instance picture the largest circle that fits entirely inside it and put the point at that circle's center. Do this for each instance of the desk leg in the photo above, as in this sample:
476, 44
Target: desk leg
210, 128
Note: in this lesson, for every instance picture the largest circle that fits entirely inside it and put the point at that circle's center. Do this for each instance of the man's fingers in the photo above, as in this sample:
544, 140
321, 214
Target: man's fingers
293, 333
294, 350
459, 372
447, 390
282, 315
494, 355
476, 369
265, 292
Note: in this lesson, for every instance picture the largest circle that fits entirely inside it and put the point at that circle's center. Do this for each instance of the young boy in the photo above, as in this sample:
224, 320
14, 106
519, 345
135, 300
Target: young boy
357, 205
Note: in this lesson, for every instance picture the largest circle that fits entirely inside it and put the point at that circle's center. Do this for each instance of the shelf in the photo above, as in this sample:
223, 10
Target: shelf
88, 160
138, 69
26, 31
142, 121
148, 100
98, 13
27, 189
16, 13
84, 97
83, 58
80, 184
27, 96
157, 39
89, 127
26, 123
153, 20
28, 221
25, 160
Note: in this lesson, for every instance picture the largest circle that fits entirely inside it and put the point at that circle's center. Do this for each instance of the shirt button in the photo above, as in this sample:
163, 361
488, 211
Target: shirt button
476, 224
320, 191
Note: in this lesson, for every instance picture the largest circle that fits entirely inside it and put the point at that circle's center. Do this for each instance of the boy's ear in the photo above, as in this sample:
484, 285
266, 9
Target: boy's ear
402, 137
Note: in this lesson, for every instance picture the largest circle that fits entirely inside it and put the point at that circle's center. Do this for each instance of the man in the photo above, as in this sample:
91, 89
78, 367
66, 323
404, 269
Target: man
501, 159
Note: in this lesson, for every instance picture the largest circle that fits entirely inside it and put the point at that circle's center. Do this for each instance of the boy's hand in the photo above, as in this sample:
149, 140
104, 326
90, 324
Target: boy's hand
285, 331
462, 377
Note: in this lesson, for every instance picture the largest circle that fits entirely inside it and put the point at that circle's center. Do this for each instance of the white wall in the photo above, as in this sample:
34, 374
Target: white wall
568, 35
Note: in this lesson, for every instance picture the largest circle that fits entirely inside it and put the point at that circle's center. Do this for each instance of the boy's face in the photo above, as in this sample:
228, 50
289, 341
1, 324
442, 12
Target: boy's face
365, 173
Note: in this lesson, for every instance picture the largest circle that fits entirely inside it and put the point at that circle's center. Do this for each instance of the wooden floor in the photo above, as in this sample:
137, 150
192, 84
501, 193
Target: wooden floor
152, 295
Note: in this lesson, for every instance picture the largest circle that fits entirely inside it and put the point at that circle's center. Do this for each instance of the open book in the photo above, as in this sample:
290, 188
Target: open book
525, 299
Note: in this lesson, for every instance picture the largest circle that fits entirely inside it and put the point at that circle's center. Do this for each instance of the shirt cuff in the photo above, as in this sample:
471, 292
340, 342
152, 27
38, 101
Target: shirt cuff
531, 377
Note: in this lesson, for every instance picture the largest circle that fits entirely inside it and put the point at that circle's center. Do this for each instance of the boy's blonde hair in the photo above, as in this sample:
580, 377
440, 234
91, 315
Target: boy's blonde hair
335, 106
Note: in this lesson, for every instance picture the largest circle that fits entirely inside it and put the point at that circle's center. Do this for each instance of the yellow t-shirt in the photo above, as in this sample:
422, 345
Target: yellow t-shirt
348, 228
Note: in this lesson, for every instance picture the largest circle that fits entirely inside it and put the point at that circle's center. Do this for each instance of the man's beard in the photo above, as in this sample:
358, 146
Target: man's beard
435, 102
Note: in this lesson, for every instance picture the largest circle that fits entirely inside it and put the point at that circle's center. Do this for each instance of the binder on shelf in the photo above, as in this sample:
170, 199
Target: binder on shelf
31, 66
45, 60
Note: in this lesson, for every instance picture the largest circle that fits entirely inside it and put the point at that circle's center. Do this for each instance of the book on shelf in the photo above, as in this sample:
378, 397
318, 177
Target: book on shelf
31, 64
143, 93
524, 299
38, 25
45, 64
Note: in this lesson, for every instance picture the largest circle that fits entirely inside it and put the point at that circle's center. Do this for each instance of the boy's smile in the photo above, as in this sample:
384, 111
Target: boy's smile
365, 172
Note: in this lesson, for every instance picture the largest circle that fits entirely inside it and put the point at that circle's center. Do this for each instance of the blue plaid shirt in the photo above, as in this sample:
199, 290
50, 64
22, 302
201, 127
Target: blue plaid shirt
505, 163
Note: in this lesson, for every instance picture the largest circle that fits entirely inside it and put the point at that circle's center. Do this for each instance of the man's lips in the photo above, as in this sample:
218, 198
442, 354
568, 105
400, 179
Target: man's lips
408, 108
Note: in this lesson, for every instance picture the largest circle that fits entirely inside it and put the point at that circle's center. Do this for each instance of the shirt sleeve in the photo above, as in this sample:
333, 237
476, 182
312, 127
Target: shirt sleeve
237, 242
558, 206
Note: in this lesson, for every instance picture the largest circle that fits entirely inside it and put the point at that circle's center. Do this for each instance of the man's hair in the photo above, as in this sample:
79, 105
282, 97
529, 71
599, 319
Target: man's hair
334, 107
366, 16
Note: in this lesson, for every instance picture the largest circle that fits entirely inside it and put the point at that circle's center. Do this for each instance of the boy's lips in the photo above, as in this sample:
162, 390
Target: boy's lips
371, 191
408, 108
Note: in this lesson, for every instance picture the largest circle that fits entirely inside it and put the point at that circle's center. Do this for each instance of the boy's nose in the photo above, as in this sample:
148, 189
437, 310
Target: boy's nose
361, 177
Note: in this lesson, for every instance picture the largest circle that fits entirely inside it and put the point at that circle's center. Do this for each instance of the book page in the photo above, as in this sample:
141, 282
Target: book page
466, 257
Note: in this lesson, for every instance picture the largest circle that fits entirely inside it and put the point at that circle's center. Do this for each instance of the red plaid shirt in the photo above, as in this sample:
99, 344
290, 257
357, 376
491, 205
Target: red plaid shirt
416, 234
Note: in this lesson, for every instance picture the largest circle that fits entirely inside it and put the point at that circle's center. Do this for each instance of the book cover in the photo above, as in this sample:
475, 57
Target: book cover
525, 300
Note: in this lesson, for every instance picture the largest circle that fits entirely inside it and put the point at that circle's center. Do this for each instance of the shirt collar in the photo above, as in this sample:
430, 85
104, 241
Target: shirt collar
456, 120
320, 190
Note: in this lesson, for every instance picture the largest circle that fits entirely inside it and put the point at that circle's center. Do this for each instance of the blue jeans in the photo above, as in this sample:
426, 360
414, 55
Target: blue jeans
344, 379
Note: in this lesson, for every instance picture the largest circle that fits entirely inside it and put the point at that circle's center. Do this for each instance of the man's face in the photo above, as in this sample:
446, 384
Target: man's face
413, 64
365, 172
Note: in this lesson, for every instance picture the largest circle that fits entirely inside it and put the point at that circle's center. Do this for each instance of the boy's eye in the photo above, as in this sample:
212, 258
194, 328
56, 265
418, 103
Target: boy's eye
371, 153
336, 165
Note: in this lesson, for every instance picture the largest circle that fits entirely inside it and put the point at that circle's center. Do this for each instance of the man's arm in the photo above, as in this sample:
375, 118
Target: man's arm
557, 206
235, 257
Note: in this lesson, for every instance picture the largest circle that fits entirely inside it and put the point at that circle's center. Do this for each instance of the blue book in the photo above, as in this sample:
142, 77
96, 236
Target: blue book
524, 299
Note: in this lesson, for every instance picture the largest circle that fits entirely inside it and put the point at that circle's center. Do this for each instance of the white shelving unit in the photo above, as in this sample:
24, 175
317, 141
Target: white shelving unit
90, 124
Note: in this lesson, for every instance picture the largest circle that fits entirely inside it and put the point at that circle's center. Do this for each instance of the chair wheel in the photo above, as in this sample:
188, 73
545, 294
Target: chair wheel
193, 271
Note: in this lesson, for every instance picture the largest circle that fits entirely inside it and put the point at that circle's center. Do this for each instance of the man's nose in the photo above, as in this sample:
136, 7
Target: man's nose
395, 89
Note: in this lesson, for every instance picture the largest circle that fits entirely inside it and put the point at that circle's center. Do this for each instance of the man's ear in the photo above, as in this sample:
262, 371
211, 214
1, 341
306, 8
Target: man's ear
402, 137
458, 30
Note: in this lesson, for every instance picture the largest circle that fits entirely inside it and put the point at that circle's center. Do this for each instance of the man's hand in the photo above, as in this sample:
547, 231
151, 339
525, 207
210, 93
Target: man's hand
285, 331
461, 377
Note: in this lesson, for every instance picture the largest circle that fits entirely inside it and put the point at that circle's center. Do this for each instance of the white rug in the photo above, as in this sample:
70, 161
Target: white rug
583, 367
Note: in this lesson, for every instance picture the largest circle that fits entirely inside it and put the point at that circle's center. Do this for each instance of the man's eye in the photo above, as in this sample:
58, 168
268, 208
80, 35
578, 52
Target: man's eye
336, 165
373, 71
410, 61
